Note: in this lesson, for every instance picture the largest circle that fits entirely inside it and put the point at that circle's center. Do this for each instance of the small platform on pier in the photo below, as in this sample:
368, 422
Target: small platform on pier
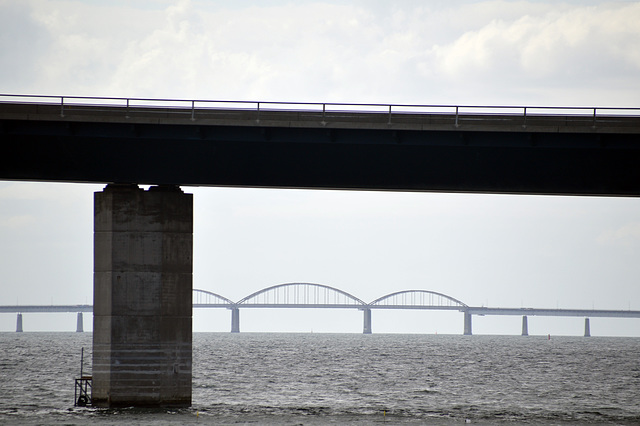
82, 395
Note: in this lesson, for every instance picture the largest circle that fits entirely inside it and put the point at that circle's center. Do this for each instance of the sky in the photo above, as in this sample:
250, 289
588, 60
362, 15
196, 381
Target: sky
486, 250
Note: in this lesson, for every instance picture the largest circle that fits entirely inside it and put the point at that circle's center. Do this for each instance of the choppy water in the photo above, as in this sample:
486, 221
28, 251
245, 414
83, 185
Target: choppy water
339, 378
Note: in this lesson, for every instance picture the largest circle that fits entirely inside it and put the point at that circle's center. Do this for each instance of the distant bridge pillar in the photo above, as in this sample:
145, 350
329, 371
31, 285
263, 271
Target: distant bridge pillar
142, 330
235, 320
19, 324
467, 324
587, 328
366, 329
79, 324
525, 326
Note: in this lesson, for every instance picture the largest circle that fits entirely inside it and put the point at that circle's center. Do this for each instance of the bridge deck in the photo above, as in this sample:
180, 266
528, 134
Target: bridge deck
483, 119
490, 150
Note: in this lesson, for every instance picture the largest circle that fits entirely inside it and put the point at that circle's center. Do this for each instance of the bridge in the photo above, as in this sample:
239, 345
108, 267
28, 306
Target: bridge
451, 148
319, 296
143, 240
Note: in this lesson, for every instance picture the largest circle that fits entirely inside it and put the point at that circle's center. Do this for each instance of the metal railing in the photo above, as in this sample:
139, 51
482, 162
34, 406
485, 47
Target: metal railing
193, 106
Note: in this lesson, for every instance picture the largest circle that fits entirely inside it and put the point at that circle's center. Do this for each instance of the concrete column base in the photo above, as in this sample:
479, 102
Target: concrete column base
142, 333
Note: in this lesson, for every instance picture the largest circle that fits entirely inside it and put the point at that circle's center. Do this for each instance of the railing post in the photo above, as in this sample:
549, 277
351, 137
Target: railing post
127, 112
62, 106
457, 117
193, 110
594, 118
258, 119
524, 125
324, 108
389, 115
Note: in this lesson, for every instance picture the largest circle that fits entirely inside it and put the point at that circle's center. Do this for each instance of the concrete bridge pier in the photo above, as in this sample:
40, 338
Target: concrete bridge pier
467, 324
142, 330
235, 320
587, 328
19, 324
525, 326
79, 324
366, 329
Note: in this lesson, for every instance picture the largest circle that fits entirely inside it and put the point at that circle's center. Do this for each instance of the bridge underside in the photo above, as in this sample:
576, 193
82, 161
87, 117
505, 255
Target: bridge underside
251, 154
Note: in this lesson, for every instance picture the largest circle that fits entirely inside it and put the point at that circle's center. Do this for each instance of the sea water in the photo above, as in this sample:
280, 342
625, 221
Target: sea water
273, 378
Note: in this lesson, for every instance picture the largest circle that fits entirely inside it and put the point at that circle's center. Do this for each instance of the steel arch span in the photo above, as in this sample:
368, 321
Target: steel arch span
418, 299
301, 295
206, 298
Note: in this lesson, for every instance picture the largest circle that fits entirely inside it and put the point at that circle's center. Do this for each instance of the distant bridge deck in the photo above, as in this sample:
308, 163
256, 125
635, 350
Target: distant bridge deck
608, 313
444, 148
45, 308
481, 311
319, 296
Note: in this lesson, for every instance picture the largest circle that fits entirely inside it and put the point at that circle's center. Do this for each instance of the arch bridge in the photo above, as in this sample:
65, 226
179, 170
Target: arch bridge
319, 296
418, 299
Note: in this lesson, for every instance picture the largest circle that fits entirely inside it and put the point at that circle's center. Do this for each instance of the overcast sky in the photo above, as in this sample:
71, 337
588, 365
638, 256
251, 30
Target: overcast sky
495, 250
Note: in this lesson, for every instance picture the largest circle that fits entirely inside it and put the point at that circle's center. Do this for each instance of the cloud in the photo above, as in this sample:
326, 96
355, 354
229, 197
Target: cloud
568, 50
22, 41
38, 191
16, 222
413, 52
14, 191
627, 235
251, 52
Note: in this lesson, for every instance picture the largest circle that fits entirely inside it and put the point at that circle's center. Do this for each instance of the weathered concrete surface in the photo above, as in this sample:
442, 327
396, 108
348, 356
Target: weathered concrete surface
143, 246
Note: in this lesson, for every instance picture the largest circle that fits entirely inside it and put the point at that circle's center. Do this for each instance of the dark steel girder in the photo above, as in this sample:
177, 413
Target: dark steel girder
516, 162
